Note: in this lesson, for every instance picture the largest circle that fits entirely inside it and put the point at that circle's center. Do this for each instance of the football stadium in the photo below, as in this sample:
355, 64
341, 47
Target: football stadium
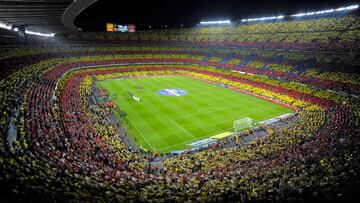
100, 105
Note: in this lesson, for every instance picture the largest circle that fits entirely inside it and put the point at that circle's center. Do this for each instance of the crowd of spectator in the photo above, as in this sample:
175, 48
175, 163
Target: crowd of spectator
332, 33
96, 156
66, 148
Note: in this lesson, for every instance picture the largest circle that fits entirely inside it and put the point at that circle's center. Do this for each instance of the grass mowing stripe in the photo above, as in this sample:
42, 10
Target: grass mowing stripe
169, 122
142, 135
196, 139
175, 130
183, 129
170, 107
133, 114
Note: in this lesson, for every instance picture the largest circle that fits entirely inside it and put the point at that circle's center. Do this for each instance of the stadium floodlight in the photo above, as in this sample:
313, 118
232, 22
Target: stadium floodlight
39, 33
325, 11
263, 18
215, 22
5, 26
298, 15
352, 7
329, 11
341, 9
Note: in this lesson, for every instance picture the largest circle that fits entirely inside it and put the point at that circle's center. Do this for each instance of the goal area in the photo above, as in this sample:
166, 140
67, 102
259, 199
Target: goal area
242, 124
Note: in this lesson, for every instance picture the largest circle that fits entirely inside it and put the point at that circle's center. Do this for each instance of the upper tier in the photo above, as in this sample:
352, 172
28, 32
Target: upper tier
326, 34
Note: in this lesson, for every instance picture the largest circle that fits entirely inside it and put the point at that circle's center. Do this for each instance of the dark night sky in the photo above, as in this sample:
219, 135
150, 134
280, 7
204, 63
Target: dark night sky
189, 13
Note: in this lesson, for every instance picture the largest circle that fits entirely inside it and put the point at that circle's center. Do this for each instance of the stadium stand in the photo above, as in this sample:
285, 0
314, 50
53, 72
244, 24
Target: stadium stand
64, 150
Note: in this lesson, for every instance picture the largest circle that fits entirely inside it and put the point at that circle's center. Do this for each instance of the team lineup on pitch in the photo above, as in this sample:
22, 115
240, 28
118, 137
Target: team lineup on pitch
178, 113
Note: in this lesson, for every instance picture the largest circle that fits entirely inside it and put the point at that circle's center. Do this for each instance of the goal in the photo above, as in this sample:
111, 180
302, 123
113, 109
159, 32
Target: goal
242, 124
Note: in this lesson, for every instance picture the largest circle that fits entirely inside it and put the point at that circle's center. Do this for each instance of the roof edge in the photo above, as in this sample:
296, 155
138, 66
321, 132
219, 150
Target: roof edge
73, 10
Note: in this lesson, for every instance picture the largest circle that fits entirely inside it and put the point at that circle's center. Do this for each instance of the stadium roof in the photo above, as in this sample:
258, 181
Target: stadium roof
37, 15
158, 14
45, 16
57, 16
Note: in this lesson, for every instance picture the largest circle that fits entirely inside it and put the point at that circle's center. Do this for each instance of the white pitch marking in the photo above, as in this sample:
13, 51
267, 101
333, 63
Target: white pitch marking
173, 92
142, 135
183, 129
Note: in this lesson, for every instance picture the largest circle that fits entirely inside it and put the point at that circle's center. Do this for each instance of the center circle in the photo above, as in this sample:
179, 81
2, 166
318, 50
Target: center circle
176, 92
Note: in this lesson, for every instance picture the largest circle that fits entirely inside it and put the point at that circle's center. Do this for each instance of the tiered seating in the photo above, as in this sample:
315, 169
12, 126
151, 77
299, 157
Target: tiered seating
66, 150
332, 33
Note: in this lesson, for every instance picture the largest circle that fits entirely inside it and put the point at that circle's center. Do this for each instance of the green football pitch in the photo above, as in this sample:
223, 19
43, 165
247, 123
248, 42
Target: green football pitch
168, 123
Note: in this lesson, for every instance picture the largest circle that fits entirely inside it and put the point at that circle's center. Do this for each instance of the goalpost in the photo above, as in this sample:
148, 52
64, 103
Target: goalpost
242, 124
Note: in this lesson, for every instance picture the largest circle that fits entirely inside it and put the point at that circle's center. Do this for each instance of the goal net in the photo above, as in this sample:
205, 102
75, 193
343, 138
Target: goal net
242, 124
